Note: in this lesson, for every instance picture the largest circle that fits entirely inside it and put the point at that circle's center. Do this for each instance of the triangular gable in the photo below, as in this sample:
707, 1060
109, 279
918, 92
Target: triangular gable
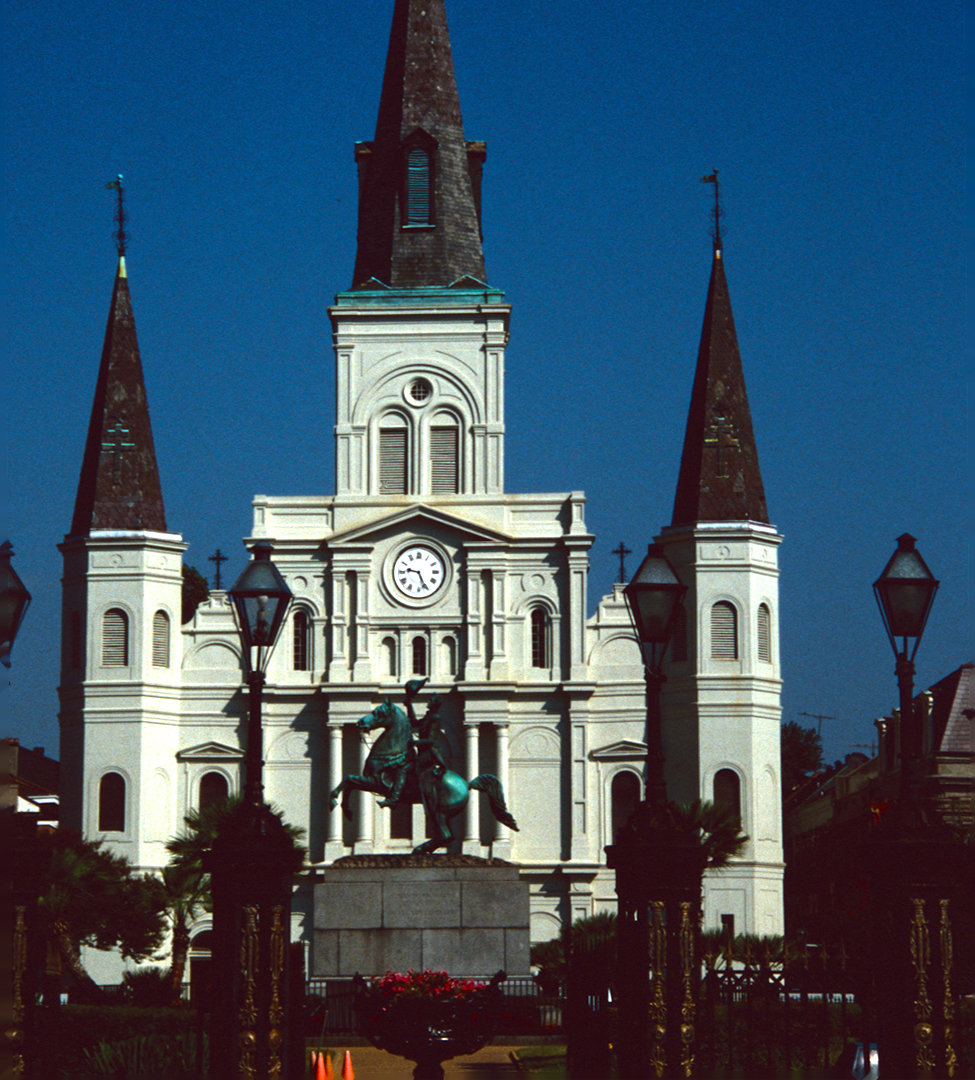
210, 751
412, 513
624, 750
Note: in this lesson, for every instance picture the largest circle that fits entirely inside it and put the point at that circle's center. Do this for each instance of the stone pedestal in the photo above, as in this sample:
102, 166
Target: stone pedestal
455, 913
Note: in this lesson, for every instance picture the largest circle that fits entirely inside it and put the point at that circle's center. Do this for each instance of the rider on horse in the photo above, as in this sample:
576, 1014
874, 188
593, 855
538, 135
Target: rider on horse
423, 757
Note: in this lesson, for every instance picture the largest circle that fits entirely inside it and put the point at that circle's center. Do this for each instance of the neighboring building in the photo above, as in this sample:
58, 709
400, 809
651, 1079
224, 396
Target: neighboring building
828, 818
30, 781
423, 564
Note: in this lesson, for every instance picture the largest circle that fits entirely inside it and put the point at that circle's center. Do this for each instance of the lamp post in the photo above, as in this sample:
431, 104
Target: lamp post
916, 863
252, 866
14, 600
658, 867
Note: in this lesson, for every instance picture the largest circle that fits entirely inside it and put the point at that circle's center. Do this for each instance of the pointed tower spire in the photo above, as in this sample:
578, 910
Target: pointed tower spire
419, 179
719, 479
119, 486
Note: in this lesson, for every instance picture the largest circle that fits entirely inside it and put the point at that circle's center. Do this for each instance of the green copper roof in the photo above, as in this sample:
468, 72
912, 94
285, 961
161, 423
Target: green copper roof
443, 295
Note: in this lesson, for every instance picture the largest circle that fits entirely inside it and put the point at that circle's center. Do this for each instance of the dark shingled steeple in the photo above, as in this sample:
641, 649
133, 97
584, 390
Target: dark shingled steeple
719, 475
419, 111
119, 486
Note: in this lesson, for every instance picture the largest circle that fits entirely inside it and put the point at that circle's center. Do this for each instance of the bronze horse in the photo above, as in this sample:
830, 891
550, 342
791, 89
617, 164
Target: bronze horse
408, 770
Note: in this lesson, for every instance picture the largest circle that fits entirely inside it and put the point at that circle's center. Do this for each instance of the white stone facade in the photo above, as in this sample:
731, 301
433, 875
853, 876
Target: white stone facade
536, 692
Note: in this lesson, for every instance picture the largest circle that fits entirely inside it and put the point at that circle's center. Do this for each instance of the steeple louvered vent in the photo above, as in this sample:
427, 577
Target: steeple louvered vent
724, 631
443, 461
115, 639
392, 461
419, 205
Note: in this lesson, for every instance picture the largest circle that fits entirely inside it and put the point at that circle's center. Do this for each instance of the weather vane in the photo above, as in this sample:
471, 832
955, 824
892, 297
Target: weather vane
121, 236
716, 212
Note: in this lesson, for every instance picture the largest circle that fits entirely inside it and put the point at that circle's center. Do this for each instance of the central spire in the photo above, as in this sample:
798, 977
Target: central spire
419, 179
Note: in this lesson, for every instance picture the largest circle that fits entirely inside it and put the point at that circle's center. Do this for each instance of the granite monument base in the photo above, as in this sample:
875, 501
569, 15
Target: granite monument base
455, 913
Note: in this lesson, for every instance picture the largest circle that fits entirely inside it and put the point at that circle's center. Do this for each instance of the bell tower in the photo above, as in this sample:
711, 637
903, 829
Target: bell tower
121, 614
722, 700
420, 337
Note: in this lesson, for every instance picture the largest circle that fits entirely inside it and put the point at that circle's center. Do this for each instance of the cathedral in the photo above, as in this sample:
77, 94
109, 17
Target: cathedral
423, 564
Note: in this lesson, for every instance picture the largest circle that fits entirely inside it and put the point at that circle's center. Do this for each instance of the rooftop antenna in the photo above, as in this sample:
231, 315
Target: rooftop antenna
716, 210
121, 236
820, 718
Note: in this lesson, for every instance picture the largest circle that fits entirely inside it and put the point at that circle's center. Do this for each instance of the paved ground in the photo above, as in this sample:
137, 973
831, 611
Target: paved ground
368, 1062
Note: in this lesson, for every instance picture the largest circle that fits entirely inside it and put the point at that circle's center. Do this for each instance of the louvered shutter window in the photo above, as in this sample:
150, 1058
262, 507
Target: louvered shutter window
300, 652
160, 639
443, 461
418, 187
392, 461
764, 634
115, 639
724, 632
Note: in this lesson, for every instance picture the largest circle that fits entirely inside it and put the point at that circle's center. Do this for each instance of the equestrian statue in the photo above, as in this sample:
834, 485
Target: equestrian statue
405, 766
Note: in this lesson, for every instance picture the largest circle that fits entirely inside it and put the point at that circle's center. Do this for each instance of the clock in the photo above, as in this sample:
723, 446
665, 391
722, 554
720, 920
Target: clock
418, 572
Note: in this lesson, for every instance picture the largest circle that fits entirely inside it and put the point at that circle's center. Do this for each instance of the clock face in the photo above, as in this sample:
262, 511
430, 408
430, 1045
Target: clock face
418, 572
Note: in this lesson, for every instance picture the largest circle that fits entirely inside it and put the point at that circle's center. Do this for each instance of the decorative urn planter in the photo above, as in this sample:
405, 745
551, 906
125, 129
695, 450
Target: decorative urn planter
428, 1017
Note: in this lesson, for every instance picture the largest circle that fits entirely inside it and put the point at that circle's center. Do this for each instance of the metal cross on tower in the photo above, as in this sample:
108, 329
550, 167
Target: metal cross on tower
622, 551
217, 557
121, 236
115, 443
722, 438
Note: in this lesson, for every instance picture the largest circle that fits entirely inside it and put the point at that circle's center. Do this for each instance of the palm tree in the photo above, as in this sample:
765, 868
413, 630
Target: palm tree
187, 895
719, 827
90, 896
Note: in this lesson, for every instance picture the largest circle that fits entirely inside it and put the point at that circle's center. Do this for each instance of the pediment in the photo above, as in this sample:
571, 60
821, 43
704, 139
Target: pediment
623, 750
210, 751
418, 514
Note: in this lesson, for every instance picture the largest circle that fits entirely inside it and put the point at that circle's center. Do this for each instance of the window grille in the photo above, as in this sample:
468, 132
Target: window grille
392, 461
111, 803
724, 631
418, 188
541, 645
764, 634
419, 656
300, 641
443, 461
160, 639
115, 638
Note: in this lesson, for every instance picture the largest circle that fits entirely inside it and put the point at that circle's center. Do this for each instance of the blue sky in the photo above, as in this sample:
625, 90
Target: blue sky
837, 130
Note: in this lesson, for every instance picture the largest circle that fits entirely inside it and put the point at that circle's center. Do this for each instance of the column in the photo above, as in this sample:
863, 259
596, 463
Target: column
365, 813
501, 849
578, 564
499, 647
334, 849
473, 669
363, 656
472, 832
338, 669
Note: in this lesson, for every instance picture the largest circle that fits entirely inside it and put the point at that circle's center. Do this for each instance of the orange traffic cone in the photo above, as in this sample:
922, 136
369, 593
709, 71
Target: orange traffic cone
329, 1072
347, 1073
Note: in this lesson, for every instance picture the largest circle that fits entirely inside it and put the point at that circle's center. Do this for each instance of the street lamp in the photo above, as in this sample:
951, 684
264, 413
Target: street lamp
917, 864
658, 867
252, 866
14, 599
260, 602
905, 594
654, 598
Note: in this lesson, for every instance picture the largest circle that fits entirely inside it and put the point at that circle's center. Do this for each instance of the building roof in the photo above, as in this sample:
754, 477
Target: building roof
119, 486
951, 705
419, 106
719, 478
